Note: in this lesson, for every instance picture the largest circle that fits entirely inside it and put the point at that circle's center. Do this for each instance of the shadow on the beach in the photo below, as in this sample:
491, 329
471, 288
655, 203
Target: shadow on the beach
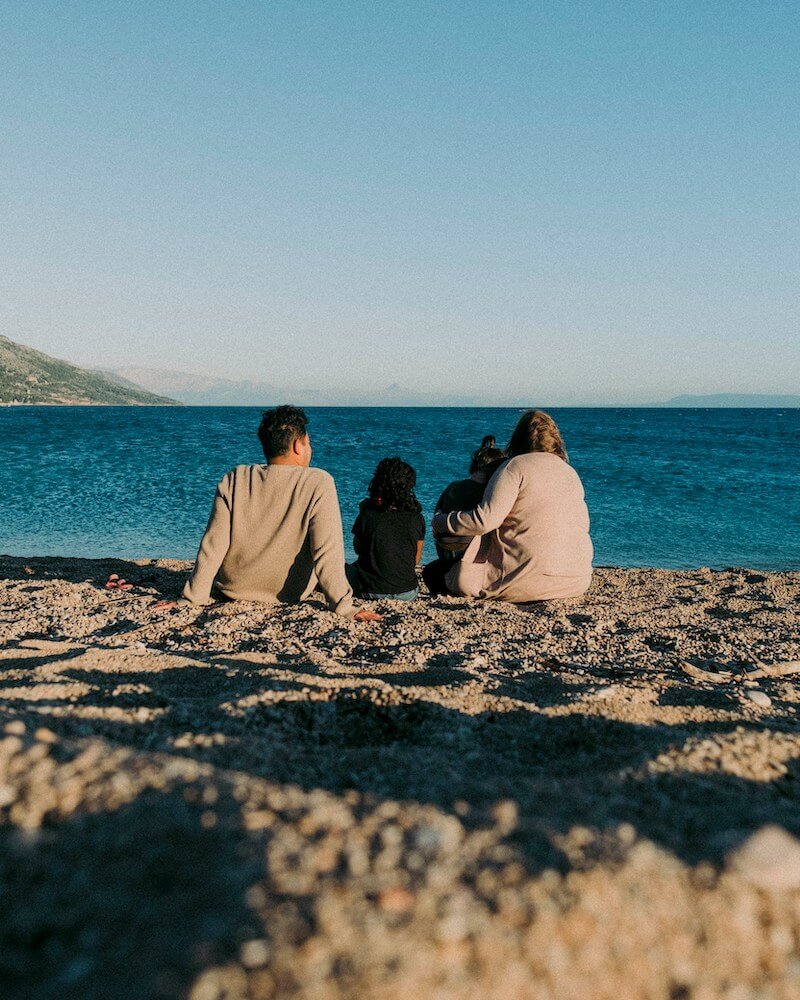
136, 900
711, 697
110, 905
561, 770
164, 581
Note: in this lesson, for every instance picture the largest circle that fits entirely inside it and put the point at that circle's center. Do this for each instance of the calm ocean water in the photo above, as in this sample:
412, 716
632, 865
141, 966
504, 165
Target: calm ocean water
665, 487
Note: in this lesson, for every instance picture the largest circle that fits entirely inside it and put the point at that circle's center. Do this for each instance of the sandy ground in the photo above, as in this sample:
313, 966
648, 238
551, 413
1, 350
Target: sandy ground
597, 799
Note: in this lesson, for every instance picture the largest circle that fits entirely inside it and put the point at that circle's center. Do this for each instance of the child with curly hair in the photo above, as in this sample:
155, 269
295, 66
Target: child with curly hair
388, 535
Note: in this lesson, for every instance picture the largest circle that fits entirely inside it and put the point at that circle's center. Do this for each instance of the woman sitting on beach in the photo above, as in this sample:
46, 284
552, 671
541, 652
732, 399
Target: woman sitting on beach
464, 494
530, 533
387, 535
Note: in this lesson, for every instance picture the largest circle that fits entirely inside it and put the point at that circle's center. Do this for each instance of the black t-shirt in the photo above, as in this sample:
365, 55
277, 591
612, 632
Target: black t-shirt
386, 542
465, 494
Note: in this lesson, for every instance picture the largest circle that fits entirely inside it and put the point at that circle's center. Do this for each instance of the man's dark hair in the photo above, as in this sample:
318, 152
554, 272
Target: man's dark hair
280, 428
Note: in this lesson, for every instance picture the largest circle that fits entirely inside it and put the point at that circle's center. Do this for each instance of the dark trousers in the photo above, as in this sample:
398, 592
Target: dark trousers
434, 573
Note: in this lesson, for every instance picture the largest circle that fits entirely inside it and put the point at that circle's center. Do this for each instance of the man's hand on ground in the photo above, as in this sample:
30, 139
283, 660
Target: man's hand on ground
367, 616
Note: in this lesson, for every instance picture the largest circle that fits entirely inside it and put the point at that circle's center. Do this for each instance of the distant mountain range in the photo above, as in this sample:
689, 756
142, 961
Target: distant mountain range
203, 390
206, 390
734, 400
28, 376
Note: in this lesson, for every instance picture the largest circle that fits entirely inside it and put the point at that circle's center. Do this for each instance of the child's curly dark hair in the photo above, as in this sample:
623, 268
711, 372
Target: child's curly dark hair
392, 486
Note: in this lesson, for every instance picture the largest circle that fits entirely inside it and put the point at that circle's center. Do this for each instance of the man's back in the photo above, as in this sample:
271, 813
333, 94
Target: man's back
274, 532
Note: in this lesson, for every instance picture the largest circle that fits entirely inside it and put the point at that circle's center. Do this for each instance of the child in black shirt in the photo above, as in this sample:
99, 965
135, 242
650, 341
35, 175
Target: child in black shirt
387, 535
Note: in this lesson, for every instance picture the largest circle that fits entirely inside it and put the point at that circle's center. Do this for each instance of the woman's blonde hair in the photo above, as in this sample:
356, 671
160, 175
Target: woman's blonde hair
537, 431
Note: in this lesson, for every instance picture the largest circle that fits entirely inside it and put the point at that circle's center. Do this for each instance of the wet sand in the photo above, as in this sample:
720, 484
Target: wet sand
594, 799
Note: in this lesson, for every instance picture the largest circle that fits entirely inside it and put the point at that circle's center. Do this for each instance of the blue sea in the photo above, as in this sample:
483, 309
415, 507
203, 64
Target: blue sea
665, 487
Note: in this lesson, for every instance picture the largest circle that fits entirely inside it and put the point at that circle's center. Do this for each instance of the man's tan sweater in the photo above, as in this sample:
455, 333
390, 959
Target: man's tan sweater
275, 534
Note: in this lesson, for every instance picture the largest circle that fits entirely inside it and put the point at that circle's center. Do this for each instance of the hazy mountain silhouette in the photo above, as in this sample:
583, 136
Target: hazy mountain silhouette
733, 399
29, 376
208, 390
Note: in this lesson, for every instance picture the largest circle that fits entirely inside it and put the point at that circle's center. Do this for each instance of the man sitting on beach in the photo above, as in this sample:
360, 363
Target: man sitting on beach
275, 531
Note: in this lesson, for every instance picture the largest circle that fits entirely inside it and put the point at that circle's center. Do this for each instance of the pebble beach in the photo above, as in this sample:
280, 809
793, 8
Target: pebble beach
598, 798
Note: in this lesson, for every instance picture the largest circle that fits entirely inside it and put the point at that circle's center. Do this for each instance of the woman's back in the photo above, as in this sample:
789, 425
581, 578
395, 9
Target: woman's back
535, 542
547, 528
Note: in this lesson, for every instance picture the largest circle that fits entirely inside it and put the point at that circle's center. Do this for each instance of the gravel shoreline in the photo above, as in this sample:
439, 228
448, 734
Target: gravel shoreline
587, 799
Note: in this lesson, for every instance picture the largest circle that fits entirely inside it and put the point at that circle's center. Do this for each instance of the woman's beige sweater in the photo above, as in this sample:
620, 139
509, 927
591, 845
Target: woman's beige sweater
533, 529
275, 534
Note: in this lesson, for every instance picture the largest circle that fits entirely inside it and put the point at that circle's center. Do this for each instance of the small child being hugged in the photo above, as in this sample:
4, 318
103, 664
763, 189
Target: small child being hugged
387, 535
466, 494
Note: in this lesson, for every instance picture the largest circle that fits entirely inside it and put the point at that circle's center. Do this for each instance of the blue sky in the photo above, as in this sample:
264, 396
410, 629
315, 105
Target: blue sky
520, 202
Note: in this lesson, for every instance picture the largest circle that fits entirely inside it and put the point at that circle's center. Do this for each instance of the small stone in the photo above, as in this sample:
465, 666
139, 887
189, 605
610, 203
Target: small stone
15, 727
427, 839
506, 815
769, 860
609, 691
45, 735
206, 987
396, 899
253, 954
255, 897
758, 697
261, 819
